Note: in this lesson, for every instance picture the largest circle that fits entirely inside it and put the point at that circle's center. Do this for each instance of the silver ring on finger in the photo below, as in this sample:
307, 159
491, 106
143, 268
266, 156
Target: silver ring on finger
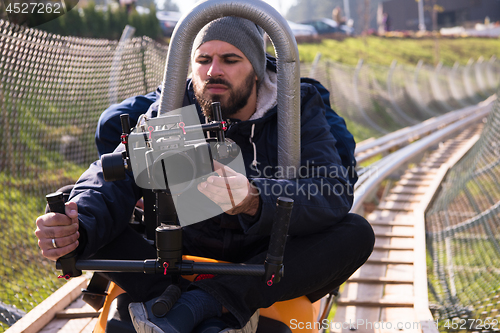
54, 243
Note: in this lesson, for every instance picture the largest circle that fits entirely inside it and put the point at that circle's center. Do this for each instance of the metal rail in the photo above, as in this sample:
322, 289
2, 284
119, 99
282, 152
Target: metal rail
368, 149
261, 13
368, 183
384, 290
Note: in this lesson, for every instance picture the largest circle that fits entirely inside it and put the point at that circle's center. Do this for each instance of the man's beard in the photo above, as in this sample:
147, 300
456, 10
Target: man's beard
236, 100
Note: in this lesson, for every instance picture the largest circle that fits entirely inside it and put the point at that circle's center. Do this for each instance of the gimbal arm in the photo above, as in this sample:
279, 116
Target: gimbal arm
169, 245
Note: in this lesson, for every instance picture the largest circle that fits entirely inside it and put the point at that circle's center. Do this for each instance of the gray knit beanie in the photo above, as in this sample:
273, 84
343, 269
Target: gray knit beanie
239, 32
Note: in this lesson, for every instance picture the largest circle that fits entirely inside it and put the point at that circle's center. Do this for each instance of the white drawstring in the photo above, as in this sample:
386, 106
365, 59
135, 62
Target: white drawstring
254, 162
208, 133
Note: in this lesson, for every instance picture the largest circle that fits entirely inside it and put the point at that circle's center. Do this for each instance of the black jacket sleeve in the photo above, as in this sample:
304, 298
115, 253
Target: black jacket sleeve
104, 208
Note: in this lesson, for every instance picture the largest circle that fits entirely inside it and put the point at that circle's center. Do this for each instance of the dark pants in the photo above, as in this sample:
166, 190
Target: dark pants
315, 264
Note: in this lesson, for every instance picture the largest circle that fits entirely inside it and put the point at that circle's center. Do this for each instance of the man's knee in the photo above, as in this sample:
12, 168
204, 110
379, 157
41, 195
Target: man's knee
364, 229
362, 232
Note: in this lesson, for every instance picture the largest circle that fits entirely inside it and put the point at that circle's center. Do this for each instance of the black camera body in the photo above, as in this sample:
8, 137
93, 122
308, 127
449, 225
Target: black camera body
165, 154
162, 157
186, 165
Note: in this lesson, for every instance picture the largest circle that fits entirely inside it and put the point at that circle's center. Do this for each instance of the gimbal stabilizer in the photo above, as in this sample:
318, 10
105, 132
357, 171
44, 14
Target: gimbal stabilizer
168, 236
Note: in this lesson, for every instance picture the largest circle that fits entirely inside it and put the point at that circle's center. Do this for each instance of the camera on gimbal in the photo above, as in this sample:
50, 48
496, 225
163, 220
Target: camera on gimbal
165, 154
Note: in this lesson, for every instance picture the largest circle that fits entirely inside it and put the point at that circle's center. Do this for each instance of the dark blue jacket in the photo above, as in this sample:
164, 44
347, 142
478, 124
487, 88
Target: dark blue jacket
322, 193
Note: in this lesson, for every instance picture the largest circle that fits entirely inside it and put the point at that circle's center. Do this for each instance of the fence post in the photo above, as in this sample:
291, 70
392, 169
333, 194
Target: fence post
390, 90
467, 84
8, 158
312, 72
489, 73
358, 100
453, 88
328, 78
436, 88
449, 261
418, 96
114, 75
479, 75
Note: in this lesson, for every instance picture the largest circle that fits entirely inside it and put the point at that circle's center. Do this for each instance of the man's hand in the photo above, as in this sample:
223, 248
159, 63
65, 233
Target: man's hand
59, 229
231, 191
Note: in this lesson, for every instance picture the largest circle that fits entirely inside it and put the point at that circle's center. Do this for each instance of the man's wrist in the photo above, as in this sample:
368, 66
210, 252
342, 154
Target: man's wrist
82, 240
254, 201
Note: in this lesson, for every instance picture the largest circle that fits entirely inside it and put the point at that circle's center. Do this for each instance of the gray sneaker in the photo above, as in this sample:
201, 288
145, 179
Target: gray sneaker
250, 327
219, 326
145, 322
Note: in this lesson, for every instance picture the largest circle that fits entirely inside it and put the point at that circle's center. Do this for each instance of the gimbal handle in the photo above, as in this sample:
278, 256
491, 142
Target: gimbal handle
281, 223
68, 261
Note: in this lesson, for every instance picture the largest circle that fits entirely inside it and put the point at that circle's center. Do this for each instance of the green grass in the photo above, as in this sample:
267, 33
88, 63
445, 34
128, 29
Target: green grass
359, 131
27, 278
382, 51
32, 166
35, 166
476, 274
407, 51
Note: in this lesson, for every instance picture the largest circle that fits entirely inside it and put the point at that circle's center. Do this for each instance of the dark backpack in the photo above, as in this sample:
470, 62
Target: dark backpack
345, 141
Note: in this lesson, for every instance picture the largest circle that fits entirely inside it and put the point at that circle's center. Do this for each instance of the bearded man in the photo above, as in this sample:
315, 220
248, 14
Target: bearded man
326, 244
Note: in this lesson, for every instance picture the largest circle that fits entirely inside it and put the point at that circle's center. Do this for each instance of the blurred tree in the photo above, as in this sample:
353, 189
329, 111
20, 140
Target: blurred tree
3, 13
109, 23
143, 24
168, 5
305, 10
146, 3
117, 20
94, 22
